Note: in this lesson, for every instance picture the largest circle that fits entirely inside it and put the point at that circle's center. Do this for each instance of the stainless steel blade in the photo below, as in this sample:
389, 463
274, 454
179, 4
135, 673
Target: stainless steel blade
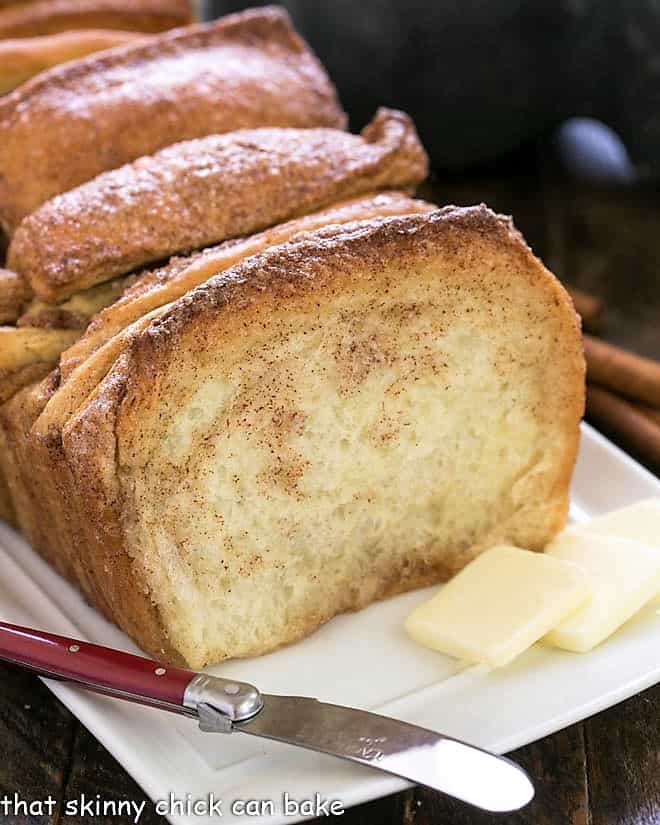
490, 782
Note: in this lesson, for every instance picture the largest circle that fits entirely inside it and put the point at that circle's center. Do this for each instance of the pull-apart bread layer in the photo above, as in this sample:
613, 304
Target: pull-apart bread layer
338, 419
52, 16
73, 122
152, 289
29, 350
27, 354
156, 288
42, 412
15, 293
23, 58
203, 191
75, 312
51, 404
32, 349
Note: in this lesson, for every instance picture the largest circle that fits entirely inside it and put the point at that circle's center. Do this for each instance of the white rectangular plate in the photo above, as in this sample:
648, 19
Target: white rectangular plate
362, 659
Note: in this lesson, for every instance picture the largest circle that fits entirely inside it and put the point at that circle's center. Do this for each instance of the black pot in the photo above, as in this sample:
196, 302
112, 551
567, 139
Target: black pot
480, 76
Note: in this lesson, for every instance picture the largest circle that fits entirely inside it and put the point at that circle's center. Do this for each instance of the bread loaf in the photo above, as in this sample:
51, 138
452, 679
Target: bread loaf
46, 17
203, 191
22, 58
82, 367
340, 418
73, 122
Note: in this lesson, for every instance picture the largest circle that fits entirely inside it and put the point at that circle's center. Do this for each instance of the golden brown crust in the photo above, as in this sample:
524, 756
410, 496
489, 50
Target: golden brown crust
155, 288
205, 191
284, 270
118, 413
83, 367
6, 507
16, 418
73, 122
23, 58
46, 17
15, 293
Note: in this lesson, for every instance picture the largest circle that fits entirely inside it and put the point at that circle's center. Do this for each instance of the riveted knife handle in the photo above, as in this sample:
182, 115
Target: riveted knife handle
100, 669
134, 678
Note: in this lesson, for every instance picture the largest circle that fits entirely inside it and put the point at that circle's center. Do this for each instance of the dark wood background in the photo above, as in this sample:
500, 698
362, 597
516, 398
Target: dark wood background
604, 771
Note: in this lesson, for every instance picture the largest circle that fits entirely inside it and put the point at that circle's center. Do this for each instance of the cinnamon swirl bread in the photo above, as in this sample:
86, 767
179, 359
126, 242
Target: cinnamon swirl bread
203, 191
67, 125
347, 415
155, 288
23, 58
45, 17
82, 367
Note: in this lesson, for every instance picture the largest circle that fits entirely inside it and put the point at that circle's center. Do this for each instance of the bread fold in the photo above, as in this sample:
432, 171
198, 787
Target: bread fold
200, 192
15, 293
75, 312
27, 354
82, 367
355, 412
45, 17
73, 122
156, 288
23, 58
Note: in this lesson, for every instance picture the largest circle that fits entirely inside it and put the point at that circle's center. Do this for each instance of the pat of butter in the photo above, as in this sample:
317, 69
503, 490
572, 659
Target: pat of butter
499, 605
624, 575
640, 522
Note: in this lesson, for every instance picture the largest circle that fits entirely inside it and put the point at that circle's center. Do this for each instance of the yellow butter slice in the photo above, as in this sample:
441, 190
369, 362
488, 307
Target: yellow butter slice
499, 605
639, 521
624, 575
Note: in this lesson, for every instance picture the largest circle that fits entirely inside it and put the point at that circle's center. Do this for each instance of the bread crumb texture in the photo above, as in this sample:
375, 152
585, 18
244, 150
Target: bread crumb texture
341, 419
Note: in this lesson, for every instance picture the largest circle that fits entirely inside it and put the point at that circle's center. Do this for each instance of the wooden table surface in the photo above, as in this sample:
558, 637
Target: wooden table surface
604, 771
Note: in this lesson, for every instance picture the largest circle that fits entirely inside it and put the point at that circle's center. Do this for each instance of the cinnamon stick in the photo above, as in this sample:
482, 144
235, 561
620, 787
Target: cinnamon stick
624, 372
625, 421
650, 412
588, 307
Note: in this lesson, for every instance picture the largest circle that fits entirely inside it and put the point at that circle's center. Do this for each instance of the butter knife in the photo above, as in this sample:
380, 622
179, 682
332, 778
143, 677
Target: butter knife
490, 782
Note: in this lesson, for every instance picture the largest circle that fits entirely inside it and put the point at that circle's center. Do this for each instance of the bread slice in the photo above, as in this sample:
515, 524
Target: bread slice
41, 411
157, 287
73, 388
340, 418
73, 122
203, 191
23, 58
45, 17
28, 356
30, 350
30, 460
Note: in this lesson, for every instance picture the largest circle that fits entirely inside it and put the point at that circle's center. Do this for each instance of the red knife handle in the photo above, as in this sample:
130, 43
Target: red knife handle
98, 668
